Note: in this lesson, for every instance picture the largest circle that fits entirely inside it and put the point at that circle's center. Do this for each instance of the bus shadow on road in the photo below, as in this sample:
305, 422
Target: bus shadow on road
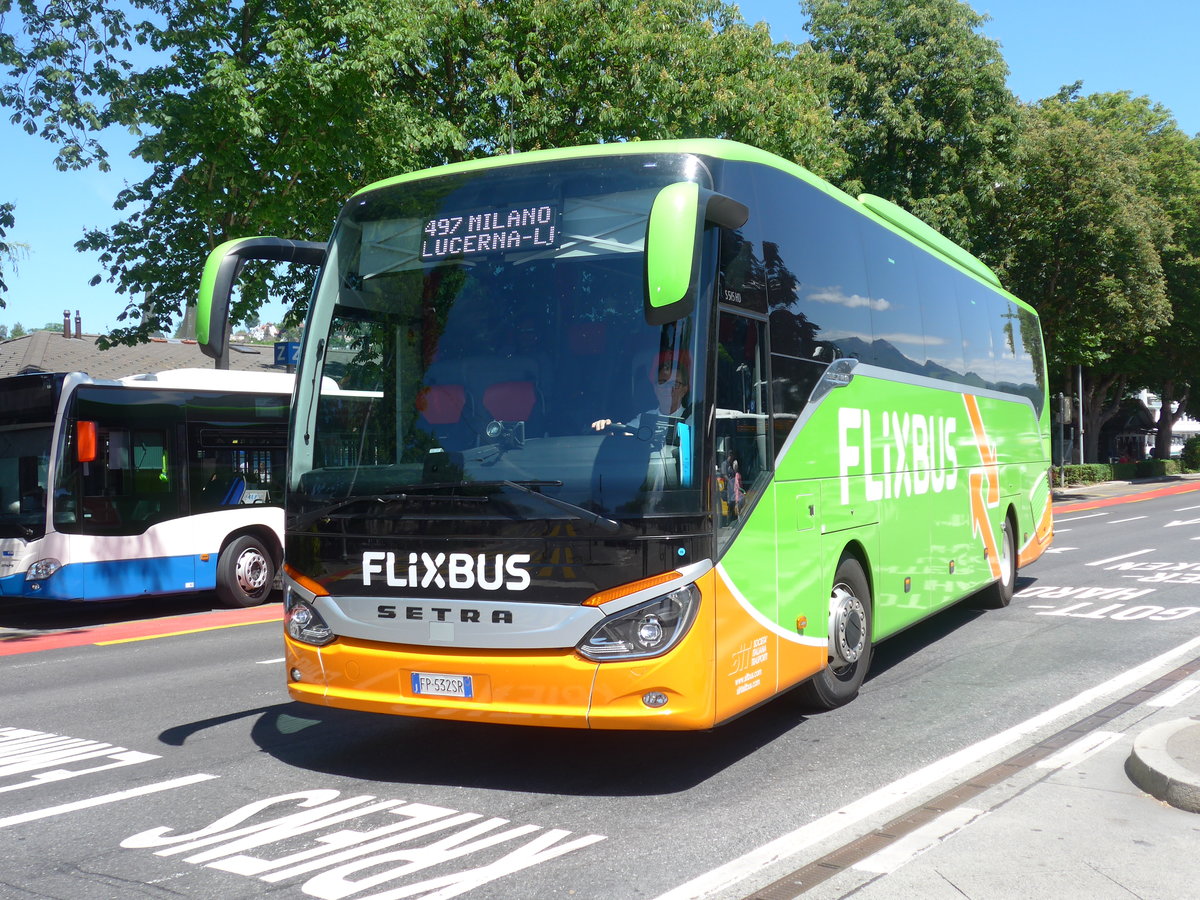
532, 759
398, 750
930, 631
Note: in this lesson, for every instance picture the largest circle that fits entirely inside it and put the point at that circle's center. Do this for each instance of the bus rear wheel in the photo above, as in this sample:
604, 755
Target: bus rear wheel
850, 646
245, 572
1000, 593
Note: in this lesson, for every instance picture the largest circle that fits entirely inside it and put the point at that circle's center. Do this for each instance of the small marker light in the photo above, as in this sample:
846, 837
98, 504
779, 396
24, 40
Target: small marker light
655, 699
294, 674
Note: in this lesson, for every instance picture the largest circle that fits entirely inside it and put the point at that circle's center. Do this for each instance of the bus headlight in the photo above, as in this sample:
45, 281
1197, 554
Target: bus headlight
648, 629
43, 568
305, 624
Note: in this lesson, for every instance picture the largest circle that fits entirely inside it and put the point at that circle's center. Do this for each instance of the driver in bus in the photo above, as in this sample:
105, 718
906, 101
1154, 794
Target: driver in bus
669, 376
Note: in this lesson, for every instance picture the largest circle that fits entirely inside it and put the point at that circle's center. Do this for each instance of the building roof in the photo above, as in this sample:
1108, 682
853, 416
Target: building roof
49, 351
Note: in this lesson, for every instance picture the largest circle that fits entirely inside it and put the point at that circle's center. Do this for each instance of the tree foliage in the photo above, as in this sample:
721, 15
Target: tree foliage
263, 117
921, 105
7, 221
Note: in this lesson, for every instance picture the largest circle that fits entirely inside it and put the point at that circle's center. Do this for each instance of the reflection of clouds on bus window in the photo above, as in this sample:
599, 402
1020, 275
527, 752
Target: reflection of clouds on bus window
850, 301
911, 340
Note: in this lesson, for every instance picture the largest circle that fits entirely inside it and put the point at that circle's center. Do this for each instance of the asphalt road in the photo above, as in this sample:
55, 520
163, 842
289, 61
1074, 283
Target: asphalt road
176, 766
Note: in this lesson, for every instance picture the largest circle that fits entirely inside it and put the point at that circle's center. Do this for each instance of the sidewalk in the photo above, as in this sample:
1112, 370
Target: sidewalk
1113, 814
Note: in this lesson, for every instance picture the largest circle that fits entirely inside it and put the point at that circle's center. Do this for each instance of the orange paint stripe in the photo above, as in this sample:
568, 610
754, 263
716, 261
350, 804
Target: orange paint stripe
123, 632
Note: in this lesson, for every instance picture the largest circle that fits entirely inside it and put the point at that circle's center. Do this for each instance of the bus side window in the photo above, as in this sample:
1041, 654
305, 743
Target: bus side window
742, 423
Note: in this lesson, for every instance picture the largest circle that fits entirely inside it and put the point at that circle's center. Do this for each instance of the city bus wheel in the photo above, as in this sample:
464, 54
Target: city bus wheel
245, 572
1000, 593
850, 646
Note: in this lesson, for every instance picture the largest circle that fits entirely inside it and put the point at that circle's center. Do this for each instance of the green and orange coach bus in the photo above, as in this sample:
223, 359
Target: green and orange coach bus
640, 436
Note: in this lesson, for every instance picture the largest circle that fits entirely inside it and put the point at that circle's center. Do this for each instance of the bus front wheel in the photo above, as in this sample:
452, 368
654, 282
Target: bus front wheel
850, 646
245, 572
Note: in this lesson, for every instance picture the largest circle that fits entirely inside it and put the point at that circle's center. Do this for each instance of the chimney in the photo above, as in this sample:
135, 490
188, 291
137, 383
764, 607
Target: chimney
67, 323
78, 326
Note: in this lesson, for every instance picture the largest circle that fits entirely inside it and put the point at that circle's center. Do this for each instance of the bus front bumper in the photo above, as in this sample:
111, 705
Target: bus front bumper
556, 688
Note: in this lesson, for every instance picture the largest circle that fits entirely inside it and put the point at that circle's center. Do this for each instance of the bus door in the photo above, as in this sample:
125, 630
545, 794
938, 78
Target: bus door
747, 651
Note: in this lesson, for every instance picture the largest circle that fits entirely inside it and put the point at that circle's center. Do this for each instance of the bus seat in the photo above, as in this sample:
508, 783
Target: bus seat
442, 404
444, 410
510, 401
234, 495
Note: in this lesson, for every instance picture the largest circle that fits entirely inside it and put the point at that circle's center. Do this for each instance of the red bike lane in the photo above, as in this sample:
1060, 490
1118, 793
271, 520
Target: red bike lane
23, 641
1136, 496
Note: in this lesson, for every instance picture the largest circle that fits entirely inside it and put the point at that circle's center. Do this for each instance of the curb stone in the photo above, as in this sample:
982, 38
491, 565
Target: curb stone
1154, 768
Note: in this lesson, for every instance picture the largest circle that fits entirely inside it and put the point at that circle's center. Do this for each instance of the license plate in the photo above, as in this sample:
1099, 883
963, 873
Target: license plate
430, 684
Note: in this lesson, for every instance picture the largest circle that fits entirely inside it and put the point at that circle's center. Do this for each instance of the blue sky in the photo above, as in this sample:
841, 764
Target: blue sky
1146, 48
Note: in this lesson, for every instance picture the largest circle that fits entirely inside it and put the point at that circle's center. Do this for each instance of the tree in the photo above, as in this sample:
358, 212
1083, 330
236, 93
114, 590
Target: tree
1079, 239
263, 118
6, 250
1170, 366
921, 105
1169, 163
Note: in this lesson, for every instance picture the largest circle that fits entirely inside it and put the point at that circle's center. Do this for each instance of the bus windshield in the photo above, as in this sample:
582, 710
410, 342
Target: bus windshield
27, 410
488, 341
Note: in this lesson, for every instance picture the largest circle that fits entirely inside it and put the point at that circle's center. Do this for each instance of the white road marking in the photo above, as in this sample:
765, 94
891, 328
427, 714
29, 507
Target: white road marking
1079, 750
1186, 508
1078, 518
1112, 559
917, 842
270, 662
105, 798
1174, 695
787, 845
1131, 519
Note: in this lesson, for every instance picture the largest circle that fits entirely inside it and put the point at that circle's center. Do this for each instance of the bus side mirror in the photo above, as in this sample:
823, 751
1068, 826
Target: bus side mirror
221, 271
674, 234
85, 441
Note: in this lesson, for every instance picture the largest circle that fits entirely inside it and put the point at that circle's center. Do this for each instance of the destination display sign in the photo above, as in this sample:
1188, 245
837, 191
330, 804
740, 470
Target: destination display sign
494, 230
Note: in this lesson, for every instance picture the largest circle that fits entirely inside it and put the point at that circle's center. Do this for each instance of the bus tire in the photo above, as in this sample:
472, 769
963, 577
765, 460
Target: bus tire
851, 620
245, 572
999, 593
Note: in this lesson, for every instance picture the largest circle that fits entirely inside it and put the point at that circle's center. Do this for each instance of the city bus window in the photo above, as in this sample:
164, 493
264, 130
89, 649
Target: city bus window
977, 311
895, 305
743, 438
939, 314
812, 253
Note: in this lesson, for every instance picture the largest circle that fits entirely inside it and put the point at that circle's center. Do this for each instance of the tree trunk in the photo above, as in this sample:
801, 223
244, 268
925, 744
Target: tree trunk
1102, 395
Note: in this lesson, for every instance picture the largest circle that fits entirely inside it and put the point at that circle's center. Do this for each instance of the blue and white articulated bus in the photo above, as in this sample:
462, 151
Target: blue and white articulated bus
144, 485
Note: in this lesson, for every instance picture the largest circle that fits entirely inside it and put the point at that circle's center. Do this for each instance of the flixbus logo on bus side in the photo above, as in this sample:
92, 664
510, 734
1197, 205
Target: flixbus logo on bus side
459, 571
915, 455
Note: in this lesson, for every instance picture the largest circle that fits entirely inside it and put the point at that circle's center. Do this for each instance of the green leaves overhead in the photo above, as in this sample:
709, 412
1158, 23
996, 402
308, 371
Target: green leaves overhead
920, 104
262, 117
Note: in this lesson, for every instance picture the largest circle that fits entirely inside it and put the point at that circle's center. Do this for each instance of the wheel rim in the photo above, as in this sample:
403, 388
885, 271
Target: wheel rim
251, 571
1006, 557
847, 628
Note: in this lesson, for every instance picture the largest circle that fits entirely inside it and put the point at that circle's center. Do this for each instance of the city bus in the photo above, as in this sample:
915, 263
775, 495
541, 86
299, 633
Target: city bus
150, 484
647, 434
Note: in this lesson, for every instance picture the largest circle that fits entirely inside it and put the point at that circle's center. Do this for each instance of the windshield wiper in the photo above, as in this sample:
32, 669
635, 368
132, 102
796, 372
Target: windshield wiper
578, 512
525, 487
329, 509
